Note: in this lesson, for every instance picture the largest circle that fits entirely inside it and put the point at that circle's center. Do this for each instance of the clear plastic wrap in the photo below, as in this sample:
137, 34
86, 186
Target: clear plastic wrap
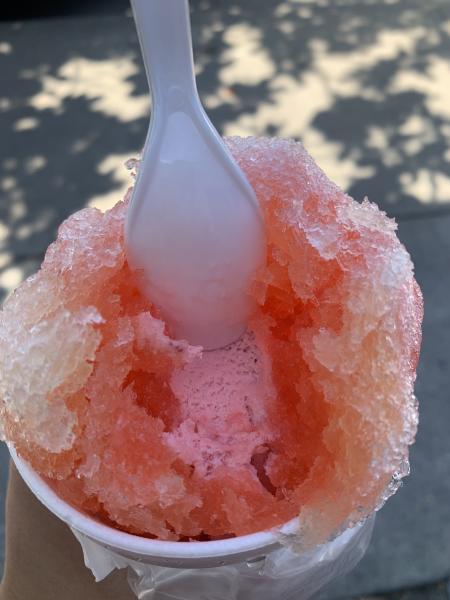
282, 574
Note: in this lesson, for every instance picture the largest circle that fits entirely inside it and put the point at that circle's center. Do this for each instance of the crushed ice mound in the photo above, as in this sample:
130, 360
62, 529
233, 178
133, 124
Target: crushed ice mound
310, 413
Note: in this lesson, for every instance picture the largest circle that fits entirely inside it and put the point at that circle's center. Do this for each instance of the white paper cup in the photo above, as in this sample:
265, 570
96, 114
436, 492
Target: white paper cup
155, 552
250, 567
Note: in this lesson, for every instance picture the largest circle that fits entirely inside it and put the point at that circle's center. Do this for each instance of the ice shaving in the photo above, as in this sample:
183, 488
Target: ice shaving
310, 413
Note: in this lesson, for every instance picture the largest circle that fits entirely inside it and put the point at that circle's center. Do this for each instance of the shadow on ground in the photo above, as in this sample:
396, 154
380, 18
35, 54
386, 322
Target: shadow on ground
15, 11
362, 81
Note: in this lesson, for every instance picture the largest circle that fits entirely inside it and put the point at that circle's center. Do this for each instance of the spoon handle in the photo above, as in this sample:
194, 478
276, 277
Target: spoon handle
165, 36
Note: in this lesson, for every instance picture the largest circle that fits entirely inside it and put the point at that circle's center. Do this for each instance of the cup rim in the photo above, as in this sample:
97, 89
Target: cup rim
136, 545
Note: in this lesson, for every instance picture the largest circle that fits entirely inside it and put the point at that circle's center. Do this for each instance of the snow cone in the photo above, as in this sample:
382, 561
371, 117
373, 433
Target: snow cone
307, 417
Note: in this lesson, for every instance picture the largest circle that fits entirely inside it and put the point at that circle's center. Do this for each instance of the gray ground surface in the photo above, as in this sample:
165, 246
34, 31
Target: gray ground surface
364, 84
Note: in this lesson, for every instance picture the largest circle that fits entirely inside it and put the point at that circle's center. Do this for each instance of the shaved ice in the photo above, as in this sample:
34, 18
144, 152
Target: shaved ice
310, 413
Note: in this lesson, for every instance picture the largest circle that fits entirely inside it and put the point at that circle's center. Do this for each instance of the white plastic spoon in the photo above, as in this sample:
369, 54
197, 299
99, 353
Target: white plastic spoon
194, 225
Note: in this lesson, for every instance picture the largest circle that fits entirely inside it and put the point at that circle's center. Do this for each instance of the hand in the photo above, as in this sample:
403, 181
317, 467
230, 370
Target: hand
44, 561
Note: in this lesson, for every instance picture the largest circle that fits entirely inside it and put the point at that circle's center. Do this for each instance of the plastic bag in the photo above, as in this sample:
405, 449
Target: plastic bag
281, 575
